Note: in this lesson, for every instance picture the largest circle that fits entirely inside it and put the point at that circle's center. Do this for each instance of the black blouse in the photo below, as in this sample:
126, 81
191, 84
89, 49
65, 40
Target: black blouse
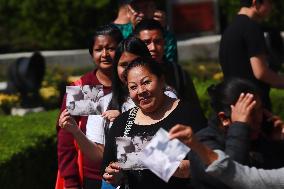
182, 114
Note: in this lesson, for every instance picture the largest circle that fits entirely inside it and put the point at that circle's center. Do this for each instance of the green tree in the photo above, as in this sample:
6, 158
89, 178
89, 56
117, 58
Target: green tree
50, 24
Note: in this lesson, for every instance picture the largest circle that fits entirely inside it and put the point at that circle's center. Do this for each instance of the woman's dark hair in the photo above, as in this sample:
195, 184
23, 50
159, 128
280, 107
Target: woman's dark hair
153, 66
110, 30
119, 91
226, 93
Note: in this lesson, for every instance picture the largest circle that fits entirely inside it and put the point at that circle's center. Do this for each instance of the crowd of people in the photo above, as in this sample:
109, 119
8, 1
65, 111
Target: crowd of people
146, 89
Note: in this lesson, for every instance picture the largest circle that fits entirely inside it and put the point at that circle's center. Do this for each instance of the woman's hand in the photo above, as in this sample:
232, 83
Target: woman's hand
183, 170
242, 110
183, 133
67, 122
112, 173
111, 115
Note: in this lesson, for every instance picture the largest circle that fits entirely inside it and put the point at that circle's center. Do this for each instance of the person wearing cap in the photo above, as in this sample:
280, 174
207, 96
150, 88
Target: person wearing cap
138, 10
243, 51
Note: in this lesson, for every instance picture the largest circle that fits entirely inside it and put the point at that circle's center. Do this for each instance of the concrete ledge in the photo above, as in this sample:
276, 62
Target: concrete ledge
201, 48
74, 58
25, 111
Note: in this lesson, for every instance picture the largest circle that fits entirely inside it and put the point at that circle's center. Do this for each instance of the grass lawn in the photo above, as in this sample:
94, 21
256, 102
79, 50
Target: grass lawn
19, 133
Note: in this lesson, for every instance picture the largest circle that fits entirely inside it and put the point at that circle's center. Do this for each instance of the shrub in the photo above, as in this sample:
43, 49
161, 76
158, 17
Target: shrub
28, 151
276, 96
50, 24
7, 101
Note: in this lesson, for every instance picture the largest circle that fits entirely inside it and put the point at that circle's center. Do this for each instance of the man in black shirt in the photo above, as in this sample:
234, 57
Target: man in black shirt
243, 52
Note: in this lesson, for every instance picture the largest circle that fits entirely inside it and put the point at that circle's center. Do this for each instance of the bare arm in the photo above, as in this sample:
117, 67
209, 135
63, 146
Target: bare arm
263, 73
92, 150
182, 171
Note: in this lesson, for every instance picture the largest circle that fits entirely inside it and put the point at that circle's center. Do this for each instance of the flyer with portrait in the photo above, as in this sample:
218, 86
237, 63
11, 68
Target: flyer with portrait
162, 155
129, 150
85, 100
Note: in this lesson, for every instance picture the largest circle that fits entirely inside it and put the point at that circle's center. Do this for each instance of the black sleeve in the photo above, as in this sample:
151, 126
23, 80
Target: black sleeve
236, 146
238, 142
192, 115
199, 178
188, 92
255, 41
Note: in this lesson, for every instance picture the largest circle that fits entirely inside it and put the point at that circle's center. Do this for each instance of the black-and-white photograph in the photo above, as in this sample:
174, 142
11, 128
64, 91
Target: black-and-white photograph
163, 156
84, 100
129, 150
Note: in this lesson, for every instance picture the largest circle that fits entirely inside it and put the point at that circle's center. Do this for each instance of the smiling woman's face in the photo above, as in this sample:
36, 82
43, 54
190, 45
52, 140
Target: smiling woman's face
145, 88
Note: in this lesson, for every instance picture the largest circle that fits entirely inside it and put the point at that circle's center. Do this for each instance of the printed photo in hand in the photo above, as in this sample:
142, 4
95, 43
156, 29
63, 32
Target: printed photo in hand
84, 100
163, 156
128, 151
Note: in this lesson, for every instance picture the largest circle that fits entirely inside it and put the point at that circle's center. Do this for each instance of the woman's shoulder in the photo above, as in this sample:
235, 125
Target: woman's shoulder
88, 78
185, 108
190, 115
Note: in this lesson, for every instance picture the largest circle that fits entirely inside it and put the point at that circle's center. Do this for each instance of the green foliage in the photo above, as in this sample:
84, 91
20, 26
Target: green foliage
204, 74
28, 151
201, 89
277, 97
19, 133
50, 24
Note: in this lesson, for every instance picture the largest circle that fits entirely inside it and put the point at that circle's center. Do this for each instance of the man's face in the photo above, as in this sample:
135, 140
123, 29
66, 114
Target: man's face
155, 43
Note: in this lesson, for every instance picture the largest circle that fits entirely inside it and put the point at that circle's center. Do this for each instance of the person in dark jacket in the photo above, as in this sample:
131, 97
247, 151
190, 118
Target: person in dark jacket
237, 129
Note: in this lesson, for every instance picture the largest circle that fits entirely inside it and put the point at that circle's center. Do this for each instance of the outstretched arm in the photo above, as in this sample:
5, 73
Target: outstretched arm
228, 171
92, 150
185, 134
236, 175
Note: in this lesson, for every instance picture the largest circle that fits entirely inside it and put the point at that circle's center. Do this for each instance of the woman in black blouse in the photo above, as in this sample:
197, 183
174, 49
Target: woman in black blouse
155, 110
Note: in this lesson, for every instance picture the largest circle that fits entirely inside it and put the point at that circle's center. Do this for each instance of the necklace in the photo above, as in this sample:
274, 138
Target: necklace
158, 115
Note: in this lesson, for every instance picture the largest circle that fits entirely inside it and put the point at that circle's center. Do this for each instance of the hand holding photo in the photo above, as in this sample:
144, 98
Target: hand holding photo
128, 152
163, 156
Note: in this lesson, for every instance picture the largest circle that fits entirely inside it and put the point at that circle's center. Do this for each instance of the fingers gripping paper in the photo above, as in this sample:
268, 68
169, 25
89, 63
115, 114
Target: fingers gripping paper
163, 156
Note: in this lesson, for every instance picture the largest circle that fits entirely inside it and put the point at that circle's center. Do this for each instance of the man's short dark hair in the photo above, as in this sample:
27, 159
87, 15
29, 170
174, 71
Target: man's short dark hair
148, 24
248, 3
